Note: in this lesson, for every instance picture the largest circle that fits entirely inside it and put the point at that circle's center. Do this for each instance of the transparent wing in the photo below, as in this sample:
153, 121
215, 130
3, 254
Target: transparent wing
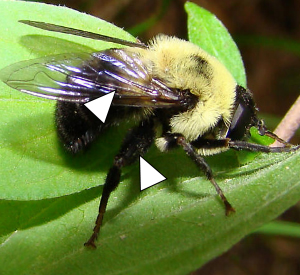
46, 77
82, 77
77, 32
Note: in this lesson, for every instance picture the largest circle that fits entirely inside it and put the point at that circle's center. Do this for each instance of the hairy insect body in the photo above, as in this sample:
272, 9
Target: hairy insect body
180, 66
177, 94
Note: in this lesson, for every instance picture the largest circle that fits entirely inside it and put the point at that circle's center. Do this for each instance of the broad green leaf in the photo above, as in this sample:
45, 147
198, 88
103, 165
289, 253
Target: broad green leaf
50, 199
206, 31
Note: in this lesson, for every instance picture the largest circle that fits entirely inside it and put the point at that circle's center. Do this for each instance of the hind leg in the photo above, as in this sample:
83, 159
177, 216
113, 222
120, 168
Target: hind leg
135, 144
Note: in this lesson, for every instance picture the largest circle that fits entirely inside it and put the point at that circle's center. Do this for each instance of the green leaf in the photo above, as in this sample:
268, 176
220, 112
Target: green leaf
50, 199
289, 229
206, 31
28, 136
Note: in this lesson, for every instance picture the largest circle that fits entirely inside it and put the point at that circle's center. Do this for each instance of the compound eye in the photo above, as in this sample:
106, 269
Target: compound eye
241, 122
244, 115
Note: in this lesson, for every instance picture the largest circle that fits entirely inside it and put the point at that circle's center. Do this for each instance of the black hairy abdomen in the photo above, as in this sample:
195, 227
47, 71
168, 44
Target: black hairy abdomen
77, 127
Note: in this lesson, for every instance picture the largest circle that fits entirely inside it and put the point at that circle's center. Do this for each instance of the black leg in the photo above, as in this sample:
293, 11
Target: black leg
173, 140
243, 145
200, 162
135, 144
234, 144
263, 131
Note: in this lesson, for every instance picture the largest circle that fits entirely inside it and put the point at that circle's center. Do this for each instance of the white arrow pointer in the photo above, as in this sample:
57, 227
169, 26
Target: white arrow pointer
100, 106
149, 176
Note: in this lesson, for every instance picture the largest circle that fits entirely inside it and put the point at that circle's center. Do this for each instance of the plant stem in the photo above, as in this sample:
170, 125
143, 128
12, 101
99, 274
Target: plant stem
289, 124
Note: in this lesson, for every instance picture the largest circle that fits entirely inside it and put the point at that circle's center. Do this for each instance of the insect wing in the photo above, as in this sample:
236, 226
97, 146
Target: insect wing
82, 77
47, 77
77, 32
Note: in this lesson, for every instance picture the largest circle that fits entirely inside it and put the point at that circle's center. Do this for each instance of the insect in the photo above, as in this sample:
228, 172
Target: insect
168, 82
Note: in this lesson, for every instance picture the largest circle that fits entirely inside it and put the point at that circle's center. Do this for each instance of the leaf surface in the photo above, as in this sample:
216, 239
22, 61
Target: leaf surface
49, 200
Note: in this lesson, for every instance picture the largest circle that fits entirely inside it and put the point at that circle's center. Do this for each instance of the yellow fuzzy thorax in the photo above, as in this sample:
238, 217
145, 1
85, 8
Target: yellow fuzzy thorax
183, 65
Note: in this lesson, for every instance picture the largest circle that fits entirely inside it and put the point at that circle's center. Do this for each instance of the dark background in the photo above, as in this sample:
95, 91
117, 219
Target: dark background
273, 74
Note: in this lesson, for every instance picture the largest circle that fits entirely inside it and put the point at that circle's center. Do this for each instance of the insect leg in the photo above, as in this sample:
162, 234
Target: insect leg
243, 145
135, 144
201, 163
263, 131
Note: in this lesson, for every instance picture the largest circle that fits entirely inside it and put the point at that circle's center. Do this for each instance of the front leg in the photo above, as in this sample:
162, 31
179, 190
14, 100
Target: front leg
173, 140
243, 145
135, 144
224, 144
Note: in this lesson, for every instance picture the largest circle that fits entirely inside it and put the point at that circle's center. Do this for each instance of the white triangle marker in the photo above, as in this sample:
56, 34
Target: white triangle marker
149, 176
100, 106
